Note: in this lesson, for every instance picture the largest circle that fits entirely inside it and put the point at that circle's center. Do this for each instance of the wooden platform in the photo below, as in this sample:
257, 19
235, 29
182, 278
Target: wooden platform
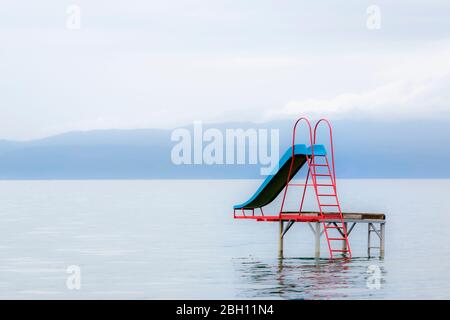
315, 217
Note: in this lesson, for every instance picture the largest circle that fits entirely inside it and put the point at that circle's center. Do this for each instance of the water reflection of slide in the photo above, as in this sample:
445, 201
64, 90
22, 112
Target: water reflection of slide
295, 278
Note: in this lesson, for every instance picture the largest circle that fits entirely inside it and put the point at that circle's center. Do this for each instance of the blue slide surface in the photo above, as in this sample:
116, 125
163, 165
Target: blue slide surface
276, 181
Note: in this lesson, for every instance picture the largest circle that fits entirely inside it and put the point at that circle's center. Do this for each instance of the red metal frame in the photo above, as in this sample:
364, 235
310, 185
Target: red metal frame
332, 175
294, 134
312, 175
331, 142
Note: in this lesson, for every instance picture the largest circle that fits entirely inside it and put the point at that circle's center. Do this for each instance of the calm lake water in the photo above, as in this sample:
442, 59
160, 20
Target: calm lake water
177, 239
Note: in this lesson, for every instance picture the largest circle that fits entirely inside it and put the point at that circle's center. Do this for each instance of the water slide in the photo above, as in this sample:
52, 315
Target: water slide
276, 181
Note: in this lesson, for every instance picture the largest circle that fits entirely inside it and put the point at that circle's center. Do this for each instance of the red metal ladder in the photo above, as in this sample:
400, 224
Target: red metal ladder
327, 198
337, 224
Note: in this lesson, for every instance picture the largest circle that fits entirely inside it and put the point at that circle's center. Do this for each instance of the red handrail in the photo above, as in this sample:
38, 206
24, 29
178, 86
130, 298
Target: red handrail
293, 155
331, 143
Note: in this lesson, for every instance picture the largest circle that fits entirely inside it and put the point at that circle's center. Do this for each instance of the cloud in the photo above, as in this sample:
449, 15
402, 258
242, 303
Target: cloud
413, 85
165, 64
249, 62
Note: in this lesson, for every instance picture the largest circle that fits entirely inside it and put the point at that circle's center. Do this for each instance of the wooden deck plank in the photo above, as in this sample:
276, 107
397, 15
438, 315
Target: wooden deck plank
313, 217
347, 215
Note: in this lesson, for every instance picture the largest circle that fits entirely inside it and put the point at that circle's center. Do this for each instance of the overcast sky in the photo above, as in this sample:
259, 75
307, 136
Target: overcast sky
144, 63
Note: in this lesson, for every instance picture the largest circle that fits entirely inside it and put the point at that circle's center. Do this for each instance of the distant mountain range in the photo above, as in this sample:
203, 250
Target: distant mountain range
364, 149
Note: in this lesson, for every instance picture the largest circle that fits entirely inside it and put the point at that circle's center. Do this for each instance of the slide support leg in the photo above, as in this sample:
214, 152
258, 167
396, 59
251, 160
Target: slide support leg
280, 240
344, 243
317, 240
382, 237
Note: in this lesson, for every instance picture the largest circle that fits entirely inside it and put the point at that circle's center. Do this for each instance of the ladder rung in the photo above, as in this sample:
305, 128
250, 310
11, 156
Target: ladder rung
337, 250
329, 205
319, 165
327, 195
334, 227
321, 174
324, 185
336, 238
